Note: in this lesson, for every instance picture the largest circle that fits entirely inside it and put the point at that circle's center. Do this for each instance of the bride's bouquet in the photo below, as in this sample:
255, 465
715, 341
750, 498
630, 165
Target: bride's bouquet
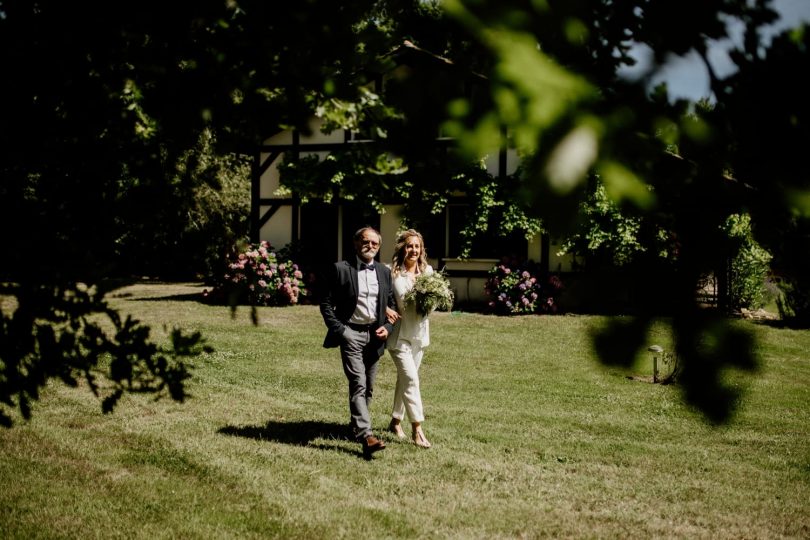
430, 292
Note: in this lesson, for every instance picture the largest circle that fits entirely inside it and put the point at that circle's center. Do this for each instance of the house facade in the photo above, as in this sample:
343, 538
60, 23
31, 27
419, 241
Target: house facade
323, 231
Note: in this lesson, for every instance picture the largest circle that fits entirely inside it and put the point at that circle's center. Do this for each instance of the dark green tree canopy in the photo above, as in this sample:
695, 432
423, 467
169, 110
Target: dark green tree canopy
102, 103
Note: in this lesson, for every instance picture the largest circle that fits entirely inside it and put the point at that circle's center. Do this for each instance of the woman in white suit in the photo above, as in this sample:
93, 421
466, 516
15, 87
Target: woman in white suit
410, 336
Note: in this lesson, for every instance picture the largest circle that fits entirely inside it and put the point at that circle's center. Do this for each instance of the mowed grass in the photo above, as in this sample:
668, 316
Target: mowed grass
532, 437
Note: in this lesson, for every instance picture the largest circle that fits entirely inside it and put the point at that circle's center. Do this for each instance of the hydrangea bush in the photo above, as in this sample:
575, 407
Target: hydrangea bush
255, 275
515, 289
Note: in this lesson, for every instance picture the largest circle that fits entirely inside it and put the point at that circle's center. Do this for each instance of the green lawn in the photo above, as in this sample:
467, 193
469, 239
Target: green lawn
532, 438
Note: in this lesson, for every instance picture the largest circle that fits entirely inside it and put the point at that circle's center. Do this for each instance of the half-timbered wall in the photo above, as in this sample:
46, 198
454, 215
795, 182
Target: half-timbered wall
326, 229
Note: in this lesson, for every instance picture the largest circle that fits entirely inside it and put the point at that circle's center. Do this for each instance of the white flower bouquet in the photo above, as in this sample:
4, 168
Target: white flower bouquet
429, 293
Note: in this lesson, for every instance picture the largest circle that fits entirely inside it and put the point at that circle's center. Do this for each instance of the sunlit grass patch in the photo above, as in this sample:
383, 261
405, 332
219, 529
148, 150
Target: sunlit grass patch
532, 437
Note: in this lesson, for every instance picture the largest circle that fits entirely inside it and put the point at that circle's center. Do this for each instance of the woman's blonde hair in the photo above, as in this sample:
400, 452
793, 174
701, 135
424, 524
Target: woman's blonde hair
399, 251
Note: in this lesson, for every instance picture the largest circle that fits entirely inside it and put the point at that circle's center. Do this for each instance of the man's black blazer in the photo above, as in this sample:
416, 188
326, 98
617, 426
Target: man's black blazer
339, 300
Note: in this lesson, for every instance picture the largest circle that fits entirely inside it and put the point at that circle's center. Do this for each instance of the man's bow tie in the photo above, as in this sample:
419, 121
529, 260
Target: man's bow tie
364, 266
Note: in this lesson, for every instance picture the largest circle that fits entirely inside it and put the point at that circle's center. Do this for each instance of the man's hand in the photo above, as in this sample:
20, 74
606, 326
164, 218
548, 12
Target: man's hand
391, 315
382, 333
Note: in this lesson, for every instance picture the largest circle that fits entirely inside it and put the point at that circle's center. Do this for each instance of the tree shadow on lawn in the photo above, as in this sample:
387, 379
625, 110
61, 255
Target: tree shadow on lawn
156, 291
184, 297
302, 433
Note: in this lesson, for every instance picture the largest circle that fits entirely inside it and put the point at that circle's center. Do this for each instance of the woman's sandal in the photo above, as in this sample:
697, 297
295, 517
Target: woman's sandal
419, 439
396, 429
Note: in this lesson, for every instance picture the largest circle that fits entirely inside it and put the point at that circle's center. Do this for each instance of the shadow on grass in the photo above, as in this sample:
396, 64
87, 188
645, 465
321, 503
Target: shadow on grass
142, 290
789, 324
316, 434
187, 297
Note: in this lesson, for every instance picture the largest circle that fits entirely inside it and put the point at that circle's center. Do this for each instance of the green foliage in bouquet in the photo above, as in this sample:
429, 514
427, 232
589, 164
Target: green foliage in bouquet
430, 292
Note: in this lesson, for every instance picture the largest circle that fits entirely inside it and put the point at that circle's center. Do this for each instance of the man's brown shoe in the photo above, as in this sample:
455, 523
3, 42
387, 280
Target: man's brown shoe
370, 445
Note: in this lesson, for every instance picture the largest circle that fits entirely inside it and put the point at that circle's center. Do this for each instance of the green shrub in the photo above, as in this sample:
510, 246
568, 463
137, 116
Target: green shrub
195, 214
794, 303
748, 266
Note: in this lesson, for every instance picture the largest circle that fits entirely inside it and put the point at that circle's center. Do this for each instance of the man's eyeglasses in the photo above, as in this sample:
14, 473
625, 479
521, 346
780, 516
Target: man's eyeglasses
369, 242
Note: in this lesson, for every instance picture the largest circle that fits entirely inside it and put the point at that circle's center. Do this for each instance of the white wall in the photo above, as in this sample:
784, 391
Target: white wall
512, 162
390, 223
469, 288
278, 229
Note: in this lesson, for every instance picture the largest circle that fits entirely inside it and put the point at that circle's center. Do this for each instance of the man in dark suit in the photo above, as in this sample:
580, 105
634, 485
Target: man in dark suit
353, 306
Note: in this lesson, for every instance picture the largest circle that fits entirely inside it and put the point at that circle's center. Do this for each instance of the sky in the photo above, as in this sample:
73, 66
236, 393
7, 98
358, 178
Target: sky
686, 76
